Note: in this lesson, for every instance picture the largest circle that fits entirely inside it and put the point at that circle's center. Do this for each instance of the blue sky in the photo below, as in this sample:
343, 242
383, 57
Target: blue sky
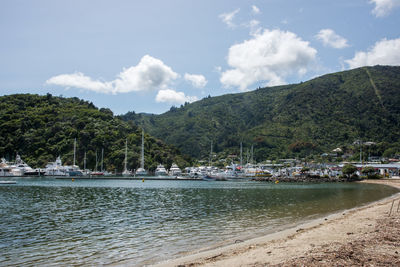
146, 56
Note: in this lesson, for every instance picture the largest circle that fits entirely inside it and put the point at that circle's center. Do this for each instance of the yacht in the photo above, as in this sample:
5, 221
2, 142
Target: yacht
5, 169
141, 171
175, 170
126, 172
160, 171
57, 169
20, 168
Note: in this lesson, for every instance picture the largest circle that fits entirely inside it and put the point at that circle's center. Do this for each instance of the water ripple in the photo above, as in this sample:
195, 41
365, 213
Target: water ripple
52, 222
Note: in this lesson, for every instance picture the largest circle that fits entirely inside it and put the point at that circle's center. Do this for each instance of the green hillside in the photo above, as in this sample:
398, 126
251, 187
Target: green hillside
286, 121
40, 128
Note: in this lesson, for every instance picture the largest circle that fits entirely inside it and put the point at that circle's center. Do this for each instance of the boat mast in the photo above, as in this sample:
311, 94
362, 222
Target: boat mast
252, 154
84, 161
142, 154
209, 163
126, 153
241, 152
74, 151
102, 158
96, 162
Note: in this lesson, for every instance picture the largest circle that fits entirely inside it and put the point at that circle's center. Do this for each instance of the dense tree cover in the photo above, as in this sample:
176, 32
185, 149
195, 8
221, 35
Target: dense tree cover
40, 128
348, 170
296, 120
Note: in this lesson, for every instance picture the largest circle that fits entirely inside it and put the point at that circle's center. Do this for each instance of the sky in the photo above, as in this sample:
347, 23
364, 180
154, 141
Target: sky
146, 56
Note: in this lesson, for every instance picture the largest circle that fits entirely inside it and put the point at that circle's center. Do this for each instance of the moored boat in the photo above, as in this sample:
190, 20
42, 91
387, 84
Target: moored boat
5, 169
174, 170
57, 169
160, 171
141, 171
20, 168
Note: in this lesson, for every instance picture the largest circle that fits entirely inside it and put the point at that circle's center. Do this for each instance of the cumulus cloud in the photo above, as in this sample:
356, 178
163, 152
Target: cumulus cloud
150, 74
173, 97
227, 18
269, 56
197, 80
384, 52
79, 80
255, 9
384, 7
330, 38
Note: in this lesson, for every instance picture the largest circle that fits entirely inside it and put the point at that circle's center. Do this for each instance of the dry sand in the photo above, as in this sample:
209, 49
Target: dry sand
363, 236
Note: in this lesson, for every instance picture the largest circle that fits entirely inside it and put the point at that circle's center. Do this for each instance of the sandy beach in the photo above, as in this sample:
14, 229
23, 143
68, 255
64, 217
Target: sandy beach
361, 236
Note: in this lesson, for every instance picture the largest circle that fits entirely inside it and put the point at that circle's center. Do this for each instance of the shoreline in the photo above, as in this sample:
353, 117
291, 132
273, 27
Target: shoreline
342, 238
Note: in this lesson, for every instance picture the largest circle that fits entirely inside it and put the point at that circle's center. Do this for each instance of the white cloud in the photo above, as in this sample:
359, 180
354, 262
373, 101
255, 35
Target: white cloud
149, 74
384, 7
79, 80
174, 97
330, 38
227, 18
198, 81
269, 56
384, 52
255, 9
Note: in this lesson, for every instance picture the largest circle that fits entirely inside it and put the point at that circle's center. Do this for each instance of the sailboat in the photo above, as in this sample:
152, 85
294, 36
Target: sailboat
126, 172
74, 169
141, 171
57, 169
96, 172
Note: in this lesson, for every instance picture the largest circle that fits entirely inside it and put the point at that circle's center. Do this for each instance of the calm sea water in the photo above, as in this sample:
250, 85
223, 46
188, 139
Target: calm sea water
98, 222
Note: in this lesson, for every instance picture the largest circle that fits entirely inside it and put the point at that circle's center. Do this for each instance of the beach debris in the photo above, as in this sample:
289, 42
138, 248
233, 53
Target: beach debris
391, 208
378, 248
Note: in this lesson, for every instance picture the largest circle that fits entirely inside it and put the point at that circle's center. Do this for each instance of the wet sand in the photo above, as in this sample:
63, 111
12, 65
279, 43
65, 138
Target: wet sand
364, 235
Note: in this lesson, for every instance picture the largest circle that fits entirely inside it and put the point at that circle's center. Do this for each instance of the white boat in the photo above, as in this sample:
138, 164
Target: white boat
195, 173
5, 168
20, 168
57, 169
126, 172
142, 171
5, 172
160, 171
174, 170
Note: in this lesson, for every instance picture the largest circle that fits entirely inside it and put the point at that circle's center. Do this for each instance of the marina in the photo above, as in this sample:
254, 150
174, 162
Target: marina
200, 133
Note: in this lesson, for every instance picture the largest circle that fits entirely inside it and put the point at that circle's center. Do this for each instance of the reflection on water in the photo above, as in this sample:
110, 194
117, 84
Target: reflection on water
96, 222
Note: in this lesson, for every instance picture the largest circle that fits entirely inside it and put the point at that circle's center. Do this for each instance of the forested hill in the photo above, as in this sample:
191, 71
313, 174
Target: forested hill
285, 121
40, 128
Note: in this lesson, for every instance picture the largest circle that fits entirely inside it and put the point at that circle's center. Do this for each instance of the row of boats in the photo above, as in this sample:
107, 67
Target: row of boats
20, 168
56, 168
